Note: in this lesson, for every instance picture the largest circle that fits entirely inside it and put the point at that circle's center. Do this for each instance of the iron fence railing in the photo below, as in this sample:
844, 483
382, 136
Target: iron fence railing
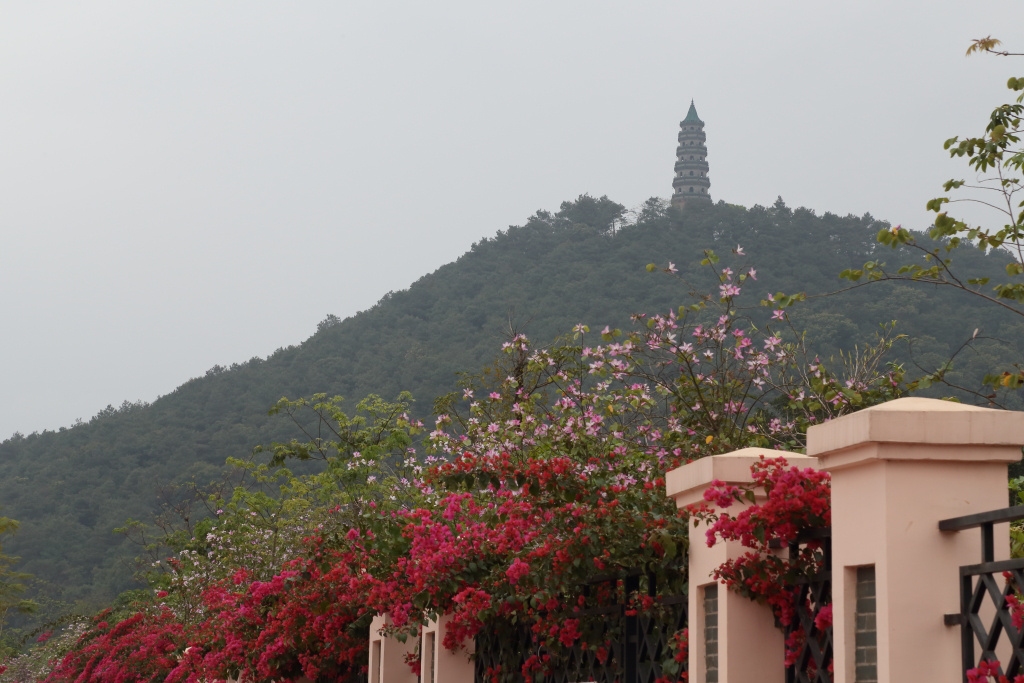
808, 636
986, 617
622, 644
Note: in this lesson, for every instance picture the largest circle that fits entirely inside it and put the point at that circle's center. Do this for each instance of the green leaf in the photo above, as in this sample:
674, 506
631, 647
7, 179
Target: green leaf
944, 224
850, 274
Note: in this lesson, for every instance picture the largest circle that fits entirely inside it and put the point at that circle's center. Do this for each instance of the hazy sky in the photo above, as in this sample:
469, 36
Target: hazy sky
187, 184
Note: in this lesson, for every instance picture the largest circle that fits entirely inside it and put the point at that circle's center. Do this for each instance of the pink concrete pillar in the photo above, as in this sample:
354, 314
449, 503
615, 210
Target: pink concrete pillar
897, 470
749, 646
439, 664
387, 656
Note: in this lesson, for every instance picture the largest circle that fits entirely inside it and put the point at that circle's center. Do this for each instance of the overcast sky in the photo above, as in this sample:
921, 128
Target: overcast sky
184, 184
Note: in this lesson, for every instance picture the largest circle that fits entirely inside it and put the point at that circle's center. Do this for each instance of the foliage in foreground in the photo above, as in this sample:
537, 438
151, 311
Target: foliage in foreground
997, 159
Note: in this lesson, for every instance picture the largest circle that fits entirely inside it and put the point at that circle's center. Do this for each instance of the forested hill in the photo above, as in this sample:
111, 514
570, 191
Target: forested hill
584, 263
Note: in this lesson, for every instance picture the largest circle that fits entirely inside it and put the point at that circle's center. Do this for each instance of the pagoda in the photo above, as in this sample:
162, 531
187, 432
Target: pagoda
691, 182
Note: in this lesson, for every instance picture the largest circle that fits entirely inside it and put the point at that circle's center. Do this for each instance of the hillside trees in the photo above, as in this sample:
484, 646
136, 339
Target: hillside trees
12, 589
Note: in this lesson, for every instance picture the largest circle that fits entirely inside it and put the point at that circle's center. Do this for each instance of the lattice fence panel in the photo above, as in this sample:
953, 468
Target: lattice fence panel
502, 648
809, 637
997, 635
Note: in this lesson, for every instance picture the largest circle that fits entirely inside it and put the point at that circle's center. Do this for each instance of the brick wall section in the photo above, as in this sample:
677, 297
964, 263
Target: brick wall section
711, 633
865, 632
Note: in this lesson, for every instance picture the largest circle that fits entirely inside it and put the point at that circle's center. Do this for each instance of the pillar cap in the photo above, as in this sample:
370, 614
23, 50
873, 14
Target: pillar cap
923, 422
687, 484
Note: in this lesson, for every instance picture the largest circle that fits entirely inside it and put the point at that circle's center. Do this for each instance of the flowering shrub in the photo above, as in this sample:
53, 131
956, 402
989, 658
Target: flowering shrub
783, 501
293, 625
794, 500
143, 647
545, 473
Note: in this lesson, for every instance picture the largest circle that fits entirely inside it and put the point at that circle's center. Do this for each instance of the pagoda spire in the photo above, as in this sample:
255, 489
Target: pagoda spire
691, 182
691, 116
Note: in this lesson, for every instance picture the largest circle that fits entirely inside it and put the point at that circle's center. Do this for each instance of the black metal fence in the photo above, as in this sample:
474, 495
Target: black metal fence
986, 615
809, 637
622, 644
635, 646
